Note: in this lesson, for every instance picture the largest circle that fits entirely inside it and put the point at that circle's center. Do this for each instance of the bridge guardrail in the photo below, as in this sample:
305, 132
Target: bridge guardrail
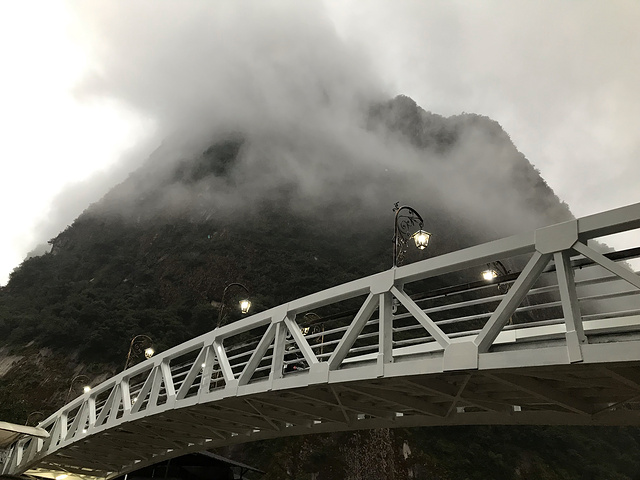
454, 329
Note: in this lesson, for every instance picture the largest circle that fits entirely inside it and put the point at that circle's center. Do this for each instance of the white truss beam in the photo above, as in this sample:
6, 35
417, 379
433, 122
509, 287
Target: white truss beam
573, 320
556, 371
512, 299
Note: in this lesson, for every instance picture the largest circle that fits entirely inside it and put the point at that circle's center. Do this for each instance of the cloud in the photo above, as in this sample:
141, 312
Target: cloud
561, 77
224, 64
280, 75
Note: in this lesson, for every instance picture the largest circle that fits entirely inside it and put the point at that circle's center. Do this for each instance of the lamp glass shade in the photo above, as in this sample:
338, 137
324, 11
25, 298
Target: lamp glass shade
245, 305
148, 352
489, 275
422, 239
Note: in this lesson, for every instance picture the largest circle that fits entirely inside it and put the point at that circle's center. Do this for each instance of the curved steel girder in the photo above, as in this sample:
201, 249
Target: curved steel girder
441, 380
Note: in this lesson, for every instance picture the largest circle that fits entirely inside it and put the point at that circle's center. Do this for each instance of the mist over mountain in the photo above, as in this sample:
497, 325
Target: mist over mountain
464, 168
288, 211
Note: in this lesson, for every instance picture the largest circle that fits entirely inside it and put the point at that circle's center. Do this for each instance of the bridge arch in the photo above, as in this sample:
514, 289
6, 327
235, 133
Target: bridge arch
555, 347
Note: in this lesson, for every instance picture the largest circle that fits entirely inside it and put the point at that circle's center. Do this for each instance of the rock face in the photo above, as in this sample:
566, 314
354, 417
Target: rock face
286, 213
7, 361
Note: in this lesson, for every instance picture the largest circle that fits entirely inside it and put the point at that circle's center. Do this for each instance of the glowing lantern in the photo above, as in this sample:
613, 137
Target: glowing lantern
245, 305
422, 239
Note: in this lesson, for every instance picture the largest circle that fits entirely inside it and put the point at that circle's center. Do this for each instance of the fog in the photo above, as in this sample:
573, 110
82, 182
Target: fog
296, 79
279, 75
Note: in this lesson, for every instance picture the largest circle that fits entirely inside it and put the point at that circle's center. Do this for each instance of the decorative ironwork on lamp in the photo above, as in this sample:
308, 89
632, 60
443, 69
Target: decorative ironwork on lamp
140, 344
406, 217
245, 304
85, 388
31, 415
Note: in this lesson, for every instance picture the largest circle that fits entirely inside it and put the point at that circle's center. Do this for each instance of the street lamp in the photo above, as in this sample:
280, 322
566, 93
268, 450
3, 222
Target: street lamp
245, 304
139, 344
495, 270
32, 414
85, 389
406, 218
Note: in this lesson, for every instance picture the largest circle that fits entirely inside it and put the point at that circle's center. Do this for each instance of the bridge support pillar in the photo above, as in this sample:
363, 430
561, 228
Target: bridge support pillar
460, 356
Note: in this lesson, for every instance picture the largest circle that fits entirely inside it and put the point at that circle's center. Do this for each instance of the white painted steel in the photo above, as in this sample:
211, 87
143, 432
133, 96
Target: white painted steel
569, 357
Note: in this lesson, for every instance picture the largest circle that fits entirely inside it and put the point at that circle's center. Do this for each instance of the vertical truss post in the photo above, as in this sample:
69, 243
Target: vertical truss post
207, 371
570, 308
277, 361
63, 426
126, 399
92, 411
385, 332
225, 366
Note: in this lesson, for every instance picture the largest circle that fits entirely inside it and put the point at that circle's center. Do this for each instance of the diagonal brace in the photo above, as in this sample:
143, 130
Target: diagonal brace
256, 357
610, 265
350, 336
429, 325
512, 299
570, 308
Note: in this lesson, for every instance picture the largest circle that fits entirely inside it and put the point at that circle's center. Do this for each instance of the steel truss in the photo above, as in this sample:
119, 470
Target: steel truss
554, 349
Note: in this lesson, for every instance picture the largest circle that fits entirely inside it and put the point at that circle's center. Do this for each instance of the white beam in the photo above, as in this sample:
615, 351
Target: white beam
575, 336
512, 299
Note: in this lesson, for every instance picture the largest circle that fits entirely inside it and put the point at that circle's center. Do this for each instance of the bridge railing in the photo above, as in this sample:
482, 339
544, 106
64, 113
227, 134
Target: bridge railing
433, 309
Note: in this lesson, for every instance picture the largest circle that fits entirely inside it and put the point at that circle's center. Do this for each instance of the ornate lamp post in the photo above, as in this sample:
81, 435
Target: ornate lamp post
31, 415
406, 218
245, 304
139, 344
86, 388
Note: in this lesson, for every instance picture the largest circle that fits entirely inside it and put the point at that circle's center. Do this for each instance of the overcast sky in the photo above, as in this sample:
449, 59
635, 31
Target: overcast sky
561, 78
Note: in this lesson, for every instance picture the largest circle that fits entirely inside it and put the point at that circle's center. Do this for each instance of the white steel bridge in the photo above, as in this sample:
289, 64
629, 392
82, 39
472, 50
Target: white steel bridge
557, 342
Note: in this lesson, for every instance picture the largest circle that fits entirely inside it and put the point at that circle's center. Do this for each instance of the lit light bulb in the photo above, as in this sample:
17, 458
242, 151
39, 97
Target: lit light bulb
245, 305
422, 239
489, 275
86, 389
148, 353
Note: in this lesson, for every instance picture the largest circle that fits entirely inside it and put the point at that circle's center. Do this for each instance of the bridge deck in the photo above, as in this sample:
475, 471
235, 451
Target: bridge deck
555, 342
